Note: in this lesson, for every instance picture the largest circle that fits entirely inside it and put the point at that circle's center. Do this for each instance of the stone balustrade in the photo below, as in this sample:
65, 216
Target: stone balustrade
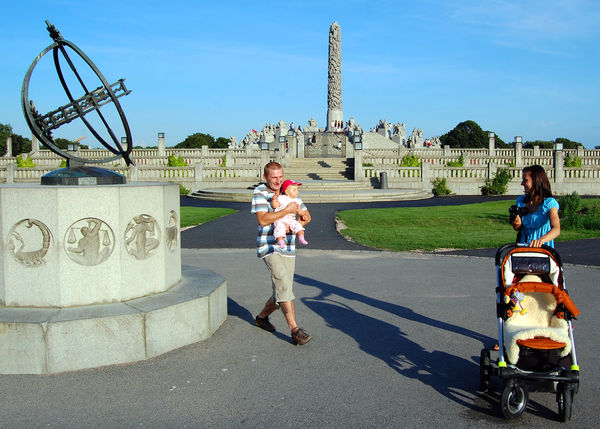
231, 168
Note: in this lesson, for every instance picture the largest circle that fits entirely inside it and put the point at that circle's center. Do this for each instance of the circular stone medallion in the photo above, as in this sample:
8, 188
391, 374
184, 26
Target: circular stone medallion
29, 241
89, 241
142, 236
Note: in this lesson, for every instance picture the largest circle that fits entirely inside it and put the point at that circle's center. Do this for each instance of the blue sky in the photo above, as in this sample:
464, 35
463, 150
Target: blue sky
526, 68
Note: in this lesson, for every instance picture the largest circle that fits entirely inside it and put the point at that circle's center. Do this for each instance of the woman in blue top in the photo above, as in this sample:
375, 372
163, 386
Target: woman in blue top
542, 224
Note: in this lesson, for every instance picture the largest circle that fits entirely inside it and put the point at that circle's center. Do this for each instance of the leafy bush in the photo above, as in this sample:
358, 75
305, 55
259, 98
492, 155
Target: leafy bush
573, 216
176, 161
410, 161
62, 164
367, 164
459, 163
440, 187
573, 161
224, 162
25, 162
183, 190
498, 185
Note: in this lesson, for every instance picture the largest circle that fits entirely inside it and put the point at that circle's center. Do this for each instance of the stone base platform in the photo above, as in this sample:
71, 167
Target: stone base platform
50, 340
321, 192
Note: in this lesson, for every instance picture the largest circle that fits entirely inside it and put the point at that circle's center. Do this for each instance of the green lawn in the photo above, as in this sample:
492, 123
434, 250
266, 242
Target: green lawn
191, 216
470, 226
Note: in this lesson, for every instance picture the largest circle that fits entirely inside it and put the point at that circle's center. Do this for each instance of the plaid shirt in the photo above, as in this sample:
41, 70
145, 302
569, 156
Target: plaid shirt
265, 241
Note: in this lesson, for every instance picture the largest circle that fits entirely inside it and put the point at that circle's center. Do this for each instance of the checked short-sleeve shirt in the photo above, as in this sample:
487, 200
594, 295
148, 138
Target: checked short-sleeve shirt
265, 241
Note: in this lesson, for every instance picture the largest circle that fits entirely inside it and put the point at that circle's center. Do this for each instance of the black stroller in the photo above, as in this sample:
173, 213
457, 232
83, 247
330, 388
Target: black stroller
535, 333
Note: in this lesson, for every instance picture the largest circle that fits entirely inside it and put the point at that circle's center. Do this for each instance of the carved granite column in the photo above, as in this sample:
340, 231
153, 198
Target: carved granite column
335, 115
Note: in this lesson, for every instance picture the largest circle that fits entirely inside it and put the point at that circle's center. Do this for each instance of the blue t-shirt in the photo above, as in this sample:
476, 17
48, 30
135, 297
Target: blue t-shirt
538, 223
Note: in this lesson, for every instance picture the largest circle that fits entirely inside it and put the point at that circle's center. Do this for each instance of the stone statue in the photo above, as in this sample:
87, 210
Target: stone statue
268, 133
335, 115
233, 143
416, 139
399, 130
351, 124
312, 126
299, 135
334, 88
253, 137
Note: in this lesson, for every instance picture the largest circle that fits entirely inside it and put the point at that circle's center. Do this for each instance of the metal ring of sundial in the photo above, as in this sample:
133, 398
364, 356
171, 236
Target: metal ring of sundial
43, 125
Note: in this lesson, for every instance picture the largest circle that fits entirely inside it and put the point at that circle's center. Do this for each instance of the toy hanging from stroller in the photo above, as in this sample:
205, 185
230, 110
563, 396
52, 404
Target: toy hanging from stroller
535, 332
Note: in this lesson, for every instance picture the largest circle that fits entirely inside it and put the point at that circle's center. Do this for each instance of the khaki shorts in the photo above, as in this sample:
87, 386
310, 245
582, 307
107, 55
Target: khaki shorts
282, 276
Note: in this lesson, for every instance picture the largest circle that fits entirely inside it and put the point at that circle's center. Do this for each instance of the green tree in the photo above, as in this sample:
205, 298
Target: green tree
222, 143
468, 134
20, 145
62, 143
5, 132
196, 141
549, 144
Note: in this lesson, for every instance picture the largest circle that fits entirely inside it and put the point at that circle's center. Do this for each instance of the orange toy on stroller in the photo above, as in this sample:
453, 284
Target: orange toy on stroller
535, 332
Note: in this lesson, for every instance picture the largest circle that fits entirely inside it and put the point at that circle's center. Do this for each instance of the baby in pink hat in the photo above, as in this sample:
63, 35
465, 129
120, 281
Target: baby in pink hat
289, 193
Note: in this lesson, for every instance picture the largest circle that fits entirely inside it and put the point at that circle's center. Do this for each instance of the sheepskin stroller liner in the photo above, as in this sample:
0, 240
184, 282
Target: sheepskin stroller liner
536, 342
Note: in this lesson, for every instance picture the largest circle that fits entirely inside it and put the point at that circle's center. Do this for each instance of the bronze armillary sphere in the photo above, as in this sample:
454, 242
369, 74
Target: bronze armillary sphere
91, 101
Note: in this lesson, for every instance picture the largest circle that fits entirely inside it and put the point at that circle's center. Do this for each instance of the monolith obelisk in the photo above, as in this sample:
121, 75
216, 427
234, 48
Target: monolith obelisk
335, 115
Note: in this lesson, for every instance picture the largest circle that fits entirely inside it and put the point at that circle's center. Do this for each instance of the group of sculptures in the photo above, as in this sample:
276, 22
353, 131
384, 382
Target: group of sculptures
397, 133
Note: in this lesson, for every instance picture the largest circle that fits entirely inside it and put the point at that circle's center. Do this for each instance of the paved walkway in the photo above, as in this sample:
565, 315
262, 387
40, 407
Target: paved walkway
237, 231
396, 343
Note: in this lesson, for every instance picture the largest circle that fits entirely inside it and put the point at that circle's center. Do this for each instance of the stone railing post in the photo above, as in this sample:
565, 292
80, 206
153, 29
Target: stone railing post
204, 151
230, 159
10, 172
536, 151
559, 163
8, 153
492, 170
447, 151
518, 152
426, 175
35, 145
198, 173
359, 175
161, 145
281, 158
491, 145
300, 147
580, 151
133, 173
264, 160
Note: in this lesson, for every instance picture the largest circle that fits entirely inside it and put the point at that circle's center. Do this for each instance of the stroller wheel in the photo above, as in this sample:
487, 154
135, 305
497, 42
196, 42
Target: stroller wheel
485, 370
514, 400
564, 397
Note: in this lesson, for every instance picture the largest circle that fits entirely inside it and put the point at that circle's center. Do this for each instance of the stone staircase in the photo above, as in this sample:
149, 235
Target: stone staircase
325, 180
321, 169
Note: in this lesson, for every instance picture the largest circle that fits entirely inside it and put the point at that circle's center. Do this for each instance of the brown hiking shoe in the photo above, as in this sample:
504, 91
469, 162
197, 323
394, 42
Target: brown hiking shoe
300, 337
263, 323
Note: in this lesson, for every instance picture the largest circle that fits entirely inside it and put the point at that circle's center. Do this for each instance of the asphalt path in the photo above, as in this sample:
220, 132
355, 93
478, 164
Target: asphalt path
238, 230
396, 343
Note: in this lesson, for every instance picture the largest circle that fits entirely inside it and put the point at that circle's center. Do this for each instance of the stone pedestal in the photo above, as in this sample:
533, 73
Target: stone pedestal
91, 276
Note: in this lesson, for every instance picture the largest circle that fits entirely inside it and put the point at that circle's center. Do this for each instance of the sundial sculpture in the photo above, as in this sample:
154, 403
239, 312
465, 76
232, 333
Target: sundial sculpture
42, 126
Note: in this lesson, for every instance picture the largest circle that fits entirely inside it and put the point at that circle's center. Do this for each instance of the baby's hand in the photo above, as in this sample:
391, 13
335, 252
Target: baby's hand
275, 202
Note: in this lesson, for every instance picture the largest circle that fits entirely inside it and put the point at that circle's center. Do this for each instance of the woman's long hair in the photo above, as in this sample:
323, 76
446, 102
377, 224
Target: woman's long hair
541, 184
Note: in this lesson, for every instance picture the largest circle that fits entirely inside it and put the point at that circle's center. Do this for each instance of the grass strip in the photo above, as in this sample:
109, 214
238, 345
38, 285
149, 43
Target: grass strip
469, 226
191, 216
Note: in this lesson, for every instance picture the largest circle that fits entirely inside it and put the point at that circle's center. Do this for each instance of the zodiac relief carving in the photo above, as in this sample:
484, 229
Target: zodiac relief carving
29, 234
142, 236
89, 241
171, 231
